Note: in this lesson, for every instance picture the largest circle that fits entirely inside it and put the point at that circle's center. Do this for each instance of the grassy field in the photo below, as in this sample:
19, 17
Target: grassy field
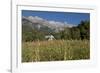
55, 50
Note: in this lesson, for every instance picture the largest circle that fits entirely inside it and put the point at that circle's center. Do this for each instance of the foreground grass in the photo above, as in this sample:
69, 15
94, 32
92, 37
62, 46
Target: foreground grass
55, 50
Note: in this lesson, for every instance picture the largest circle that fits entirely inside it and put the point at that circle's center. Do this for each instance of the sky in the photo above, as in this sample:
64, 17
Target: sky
69, 17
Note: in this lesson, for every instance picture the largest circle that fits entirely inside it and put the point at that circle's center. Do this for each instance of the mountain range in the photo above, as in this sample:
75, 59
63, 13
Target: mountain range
38, 23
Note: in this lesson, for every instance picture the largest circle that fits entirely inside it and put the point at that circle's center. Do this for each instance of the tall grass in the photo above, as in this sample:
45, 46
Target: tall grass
55, 50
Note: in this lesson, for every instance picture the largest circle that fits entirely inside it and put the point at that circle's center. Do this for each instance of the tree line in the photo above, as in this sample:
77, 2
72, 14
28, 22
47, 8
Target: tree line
80, 32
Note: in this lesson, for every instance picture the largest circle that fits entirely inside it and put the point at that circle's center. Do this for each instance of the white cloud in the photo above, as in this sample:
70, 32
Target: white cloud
35, 19
51, 24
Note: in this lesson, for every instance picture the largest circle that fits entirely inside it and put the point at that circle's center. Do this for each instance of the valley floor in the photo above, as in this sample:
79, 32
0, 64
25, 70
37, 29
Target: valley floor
55, 50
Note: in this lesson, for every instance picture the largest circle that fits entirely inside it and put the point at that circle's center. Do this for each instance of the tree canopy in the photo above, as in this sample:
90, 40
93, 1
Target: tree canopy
82, 31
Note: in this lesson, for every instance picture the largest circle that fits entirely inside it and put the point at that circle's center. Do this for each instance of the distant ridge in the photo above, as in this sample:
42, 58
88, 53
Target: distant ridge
39, 23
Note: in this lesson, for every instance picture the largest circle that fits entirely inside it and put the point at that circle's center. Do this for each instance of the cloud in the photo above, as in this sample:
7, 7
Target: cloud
35, 19
52, 24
